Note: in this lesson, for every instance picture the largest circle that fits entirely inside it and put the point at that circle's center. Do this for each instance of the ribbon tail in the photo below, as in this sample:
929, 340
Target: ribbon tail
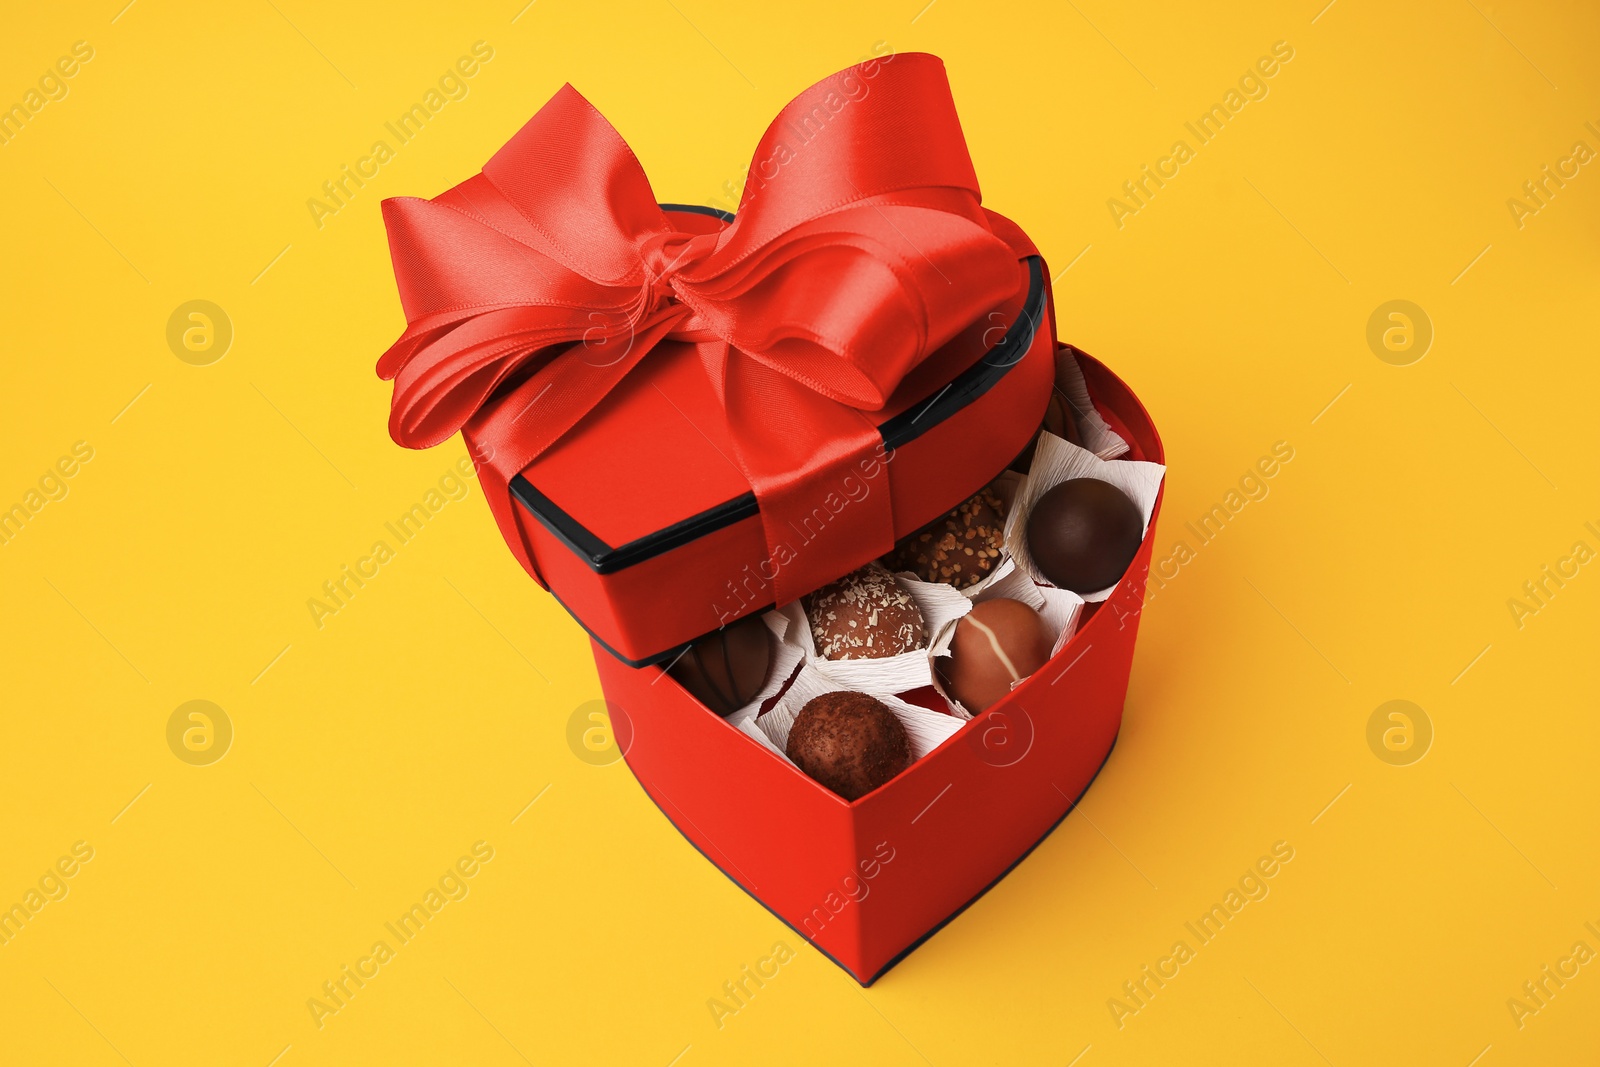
818, 468
506, 436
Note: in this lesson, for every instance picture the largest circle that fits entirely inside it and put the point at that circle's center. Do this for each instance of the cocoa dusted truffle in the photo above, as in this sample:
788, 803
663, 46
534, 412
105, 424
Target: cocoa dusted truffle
960, 549
849, 742
725, 670
997, 643
1083, 533
864, 615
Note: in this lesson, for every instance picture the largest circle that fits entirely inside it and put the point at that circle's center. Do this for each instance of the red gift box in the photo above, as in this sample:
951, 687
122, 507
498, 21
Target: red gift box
681, 417
869, 880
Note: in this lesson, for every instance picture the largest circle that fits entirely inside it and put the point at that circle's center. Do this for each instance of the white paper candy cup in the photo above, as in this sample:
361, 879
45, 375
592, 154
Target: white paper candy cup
890, 674
1098, 436
785, 657
1061, 609
749, 728
1056, 461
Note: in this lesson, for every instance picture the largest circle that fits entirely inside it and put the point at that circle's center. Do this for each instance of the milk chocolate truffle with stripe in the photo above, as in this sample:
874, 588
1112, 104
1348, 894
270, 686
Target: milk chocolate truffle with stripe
995, 644
849, 742
725, 670
960, 549
864, 615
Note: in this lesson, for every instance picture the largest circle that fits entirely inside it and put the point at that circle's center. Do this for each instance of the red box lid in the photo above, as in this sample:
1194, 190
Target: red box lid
649, 471
695, 477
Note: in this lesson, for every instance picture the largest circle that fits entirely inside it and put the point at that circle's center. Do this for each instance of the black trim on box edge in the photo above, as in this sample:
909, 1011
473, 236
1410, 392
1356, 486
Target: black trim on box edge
942, 923
649, 661
900, 430
698, 209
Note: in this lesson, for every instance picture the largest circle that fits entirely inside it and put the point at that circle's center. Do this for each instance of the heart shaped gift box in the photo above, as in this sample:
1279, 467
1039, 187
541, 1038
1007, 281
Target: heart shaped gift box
681, 417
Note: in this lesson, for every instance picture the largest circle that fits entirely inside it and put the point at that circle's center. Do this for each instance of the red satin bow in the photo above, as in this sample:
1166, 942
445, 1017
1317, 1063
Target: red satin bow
860, 246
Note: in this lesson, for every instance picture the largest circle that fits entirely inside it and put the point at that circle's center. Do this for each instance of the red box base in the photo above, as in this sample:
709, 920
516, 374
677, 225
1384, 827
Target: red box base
867, 881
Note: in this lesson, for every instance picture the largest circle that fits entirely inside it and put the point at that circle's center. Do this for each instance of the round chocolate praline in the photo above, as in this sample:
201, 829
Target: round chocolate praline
1083, 533
848, 742
726, 669
864, 615
996, 644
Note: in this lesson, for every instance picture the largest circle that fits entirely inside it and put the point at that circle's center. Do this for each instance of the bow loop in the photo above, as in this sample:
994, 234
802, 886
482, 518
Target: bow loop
860, 247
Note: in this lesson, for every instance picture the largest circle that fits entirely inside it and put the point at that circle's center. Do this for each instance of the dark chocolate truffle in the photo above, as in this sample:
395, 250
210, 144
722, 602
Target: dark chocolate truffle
849, 742
1058, 419
864, 615
1083, 533
961, 549
995, 644
725, 670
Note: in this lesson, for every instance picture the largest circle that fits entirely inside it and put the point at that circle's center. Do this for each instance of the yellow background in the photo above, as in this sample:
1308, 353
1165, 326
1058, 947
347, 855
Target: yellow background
425, 716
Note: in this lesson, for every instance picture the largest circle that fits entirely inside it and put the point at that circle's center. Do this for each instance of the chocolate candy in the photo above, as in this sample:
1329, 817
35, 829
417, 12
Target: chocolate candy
1069, 419
995, 644
864, 615
725, 670
849, 742
959, 549
1083, 533
1058, 419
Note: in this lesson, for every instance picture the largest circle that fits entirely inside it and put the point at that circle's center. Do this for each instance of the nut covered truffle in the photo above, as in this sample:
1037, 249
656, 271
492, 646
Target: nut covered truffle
848, 742
961, 549
725, 670
1083, 533
996, 644
864, 615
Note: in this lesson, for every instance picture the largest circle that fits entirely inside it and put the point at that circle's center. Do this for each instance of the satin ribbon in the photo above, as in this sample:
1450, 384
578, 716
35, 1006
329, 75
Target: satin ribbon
859, 247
